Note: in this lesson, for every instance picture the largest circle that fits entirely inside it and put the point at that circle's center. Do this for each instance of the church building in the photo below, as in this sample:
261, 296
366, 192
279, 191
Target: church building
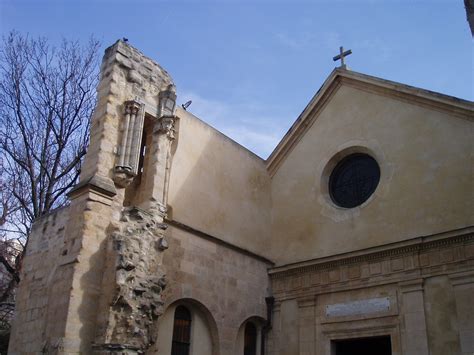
356, 235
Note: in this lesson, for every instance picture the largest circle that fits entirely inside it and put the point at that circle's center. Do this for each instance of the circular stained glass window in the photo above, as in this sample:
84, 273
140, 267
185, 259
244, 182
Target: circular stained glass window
354, 180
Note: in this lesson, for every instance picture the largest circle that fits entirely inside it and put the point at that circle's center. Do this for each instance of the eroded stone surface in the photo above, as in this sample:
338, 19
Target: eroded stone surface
137, 243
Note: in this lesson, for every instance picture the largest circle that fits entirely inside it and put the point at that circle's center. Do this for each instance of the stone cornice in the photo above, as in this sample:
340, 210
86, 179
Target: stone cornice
217, 240
304, 121
97, 184
415, 245
459, 107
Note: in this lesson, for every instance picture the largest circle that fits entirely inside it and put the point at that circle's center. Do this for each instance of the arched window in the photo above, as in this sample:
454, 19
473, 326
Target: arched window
250, 339
181, 331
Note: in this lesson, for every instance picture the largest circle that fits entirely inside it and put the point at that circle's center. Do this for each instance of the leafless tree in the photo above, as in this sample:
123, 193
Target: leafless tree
47, 96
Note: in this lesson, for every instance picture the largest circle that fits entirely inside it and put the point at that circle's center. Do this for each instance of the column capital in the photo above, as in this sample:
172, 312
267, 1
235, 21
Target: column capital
166, 125
132, 106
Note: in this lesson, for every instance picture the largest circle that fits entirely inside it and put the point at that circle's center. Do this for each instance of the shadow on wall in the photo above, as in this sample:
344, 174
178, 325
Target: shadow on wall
219, 187
94, 303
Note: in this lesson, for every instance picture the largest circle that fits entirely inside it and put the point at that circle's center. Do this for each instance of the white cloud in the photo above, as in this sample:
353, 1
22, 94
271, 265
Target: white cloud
332, 40
248, 124
381, 48
307, 39
293, 42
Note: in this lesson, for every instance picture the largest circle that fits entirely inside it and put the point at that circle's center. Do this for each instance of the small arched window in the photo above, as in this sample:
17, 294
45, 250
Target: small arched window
250, 339
181, 331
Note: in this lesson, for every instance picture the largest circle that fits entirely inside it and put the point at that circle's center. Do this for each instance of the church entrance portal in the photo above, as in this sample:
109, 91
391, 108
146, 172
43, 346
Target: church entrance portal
363, 346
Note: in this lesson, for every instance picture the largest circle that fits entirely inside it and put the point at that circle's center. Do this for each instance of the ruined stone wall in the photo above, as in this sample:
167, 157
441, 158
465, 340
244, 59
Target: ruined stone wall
126, 74
80, 299
37, 303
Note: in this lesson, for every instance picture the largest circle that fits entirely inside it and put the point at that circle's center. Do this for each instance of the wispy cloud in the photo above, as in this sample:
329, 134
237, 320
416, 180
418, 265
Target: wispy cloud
307, 39
296, 41
376, 45
249, 124
379, 50
331, 40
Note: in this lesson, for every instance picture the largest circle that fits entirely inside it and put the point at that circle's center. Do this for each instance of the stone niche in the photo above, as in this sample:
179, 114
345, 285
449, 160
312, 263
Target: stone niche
129, 150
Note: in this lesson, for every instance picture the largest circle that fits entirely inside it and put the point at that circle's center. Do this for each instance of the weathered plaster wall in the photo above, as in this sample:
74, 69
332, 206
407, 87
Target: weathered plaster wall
229, 285
219, 187
37, 304
426, 185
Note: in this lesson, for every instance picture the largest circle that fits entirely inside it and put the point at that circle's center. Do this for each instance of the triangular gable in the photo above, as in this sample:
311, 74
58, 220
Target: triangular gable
433, 100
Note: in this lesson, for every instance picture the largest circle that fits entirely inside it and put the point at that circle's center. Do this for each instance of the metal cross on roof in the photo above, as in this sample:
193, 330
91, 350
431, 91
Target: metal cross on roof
341, 56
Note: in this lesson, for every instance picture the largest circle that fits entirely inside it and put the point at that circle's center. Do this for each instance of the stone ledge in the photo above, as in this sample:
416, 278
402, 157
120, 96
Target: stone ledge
395, 249
217, 240
96, 183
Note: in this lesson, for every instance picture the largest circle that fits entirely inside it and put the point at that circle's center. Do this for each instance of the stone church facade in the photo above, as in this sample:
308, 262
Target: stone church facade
356, 233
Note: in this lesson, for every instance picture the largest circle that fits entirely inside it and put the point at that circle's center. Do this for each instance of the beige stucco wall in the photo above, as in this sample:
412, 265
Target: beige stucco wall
219, 187
426, 184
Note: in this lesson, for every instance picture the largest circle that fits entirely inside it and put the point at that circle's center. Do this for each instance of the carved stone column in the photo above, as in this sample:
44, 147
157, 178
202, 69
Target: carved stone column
158, 169
129, 150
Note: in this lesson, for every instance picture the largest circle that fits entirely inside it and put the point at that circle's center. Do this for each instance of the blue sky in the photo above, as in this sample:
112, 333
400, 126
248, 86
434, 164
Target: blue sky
250, 67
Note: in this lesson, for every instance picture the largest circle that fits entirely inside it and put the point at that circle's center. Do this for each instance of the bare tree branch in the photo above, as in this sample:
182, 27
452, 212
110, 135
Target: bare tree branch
47, 95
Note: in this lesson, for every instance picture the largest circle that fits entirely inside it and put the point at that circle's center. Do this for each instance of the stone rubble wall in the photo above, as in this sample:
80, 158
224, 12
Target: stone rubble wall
135, 281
